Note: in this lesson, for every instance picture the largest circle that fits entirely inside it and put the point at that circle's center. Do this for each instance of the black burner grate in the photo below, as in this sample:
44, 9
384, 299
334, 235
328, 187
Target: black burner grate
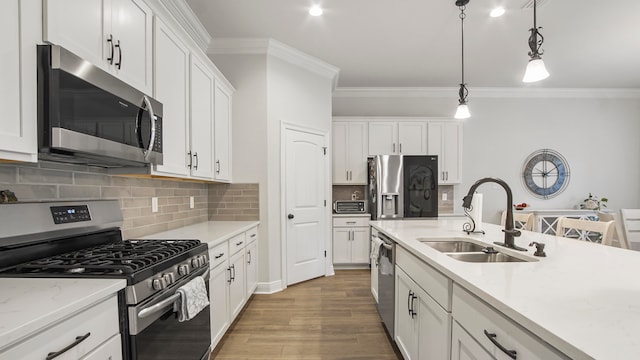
125, 257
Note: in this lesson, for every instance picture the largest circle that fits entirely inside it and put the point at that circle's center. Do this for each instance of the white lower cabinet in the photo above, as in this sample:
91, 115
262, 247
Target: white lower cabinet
498, 335
351, 240
93, 333
232, 280
464, 347
219, 291
251, 257
422, 327
237, 290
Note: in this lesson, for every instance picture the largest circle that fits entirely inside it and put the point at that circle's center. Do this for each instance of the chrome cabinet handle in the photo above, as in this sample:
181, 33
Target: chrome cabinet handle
234, 272
351, 222
253, 235
239, 243
152, 117
249, 253
230, 277
196, 156
492, 337
119, 48
400, 148
394, 147
218, 170
218, 256
190, 159
409, 303
77, 341
110, 41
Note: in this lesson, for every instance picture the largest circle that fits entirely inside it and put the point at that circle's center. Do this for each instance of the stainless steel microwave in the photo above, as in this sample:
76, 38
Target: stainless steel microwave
88, 116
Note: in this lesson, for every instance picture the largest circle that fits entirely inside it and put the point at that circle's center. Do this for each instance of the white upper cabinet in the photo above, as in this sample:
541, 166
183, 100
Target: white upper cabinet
350, 152
202, 92
172, 90
115, 35
398, 138
445, 140
383, 138
222, 131
412, 138
20, 22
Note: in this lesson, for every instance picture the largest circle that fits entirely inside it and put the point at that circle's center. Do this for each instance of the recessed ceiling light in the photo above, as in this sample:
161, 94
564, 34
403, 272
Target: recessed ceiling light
315, 10
496, 12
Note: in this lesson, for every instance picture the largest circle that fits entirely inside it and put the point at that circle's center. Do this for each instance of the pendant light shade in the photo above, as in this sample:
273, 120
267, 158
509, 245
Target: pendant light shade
462, 112
536, 70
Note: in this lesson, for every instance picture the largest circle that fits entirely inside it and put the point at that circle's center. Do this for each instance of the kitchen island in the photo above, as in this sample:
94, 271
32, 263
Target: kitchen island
582, 299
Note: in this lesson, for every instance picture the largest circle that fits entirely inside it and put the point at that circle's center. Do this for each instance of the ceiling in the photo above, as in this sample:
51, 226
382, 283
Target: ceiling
416, 43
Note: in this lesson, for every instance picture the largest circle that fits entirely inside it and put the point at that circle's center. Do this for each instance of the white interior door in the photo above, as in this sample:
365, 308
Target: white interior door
304, 197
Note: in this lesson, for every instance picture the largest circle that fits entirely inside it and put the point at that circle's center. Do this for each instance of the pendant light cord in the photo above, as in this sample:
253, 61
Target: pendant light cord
462, 16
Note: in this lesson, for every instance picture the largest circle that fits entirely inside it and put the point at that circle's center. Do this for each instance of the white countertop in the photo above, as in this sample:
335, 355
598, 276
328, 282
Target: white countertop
367, 215
583, 298
27, 305
210, 232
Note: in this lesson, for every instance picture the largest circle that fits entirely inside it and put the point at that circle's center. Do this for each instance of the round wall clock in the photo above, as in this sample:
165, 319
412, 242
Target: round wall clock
545, 173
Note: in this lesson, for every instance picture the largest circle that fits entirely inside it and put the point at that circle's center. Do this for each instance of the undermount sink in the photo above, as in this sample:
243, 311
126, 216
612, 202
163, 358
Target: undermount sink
454, 246
462, 249
480, 257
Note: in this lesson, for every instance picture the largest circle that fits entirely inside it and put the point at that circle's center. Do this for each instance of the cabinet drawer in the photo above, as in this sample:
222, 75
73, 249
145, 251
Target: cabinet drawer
252, 235
350, 221
476, 317
219, 254
430, 279
237, 243
100, 322
111, 350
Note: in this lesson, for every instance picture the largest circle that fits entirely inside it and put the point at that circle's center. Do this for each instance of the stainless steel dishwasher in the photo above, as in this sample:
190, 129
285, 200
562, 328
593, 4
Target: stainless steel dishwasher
386, 282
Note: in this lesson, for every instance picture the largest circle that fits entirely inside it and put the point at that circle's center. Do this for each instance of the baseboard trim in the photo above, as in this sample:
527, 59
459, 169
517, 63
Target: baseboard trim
269, 288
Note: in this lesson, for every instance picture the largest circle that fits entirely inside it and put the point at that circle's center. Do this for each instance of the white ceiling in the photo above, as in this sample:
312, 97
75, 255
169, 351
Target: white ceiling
416, 43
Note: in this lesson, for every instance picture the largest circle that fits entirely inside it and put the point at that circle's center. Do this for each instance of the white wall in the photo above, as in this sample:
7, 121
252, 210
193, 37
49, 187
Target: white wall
270, 91
597, 135
248, 74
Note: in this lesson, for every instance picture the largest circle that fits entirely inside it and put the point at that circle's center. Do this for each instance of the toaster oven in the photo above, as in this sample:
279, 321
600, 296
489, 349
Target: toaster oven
350, 207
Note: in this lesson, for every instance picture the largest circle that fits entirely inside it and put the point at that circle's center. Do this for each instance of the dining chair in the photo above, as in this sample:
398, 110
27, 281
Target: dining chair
522, 221
584, 230
630, 219
618, 235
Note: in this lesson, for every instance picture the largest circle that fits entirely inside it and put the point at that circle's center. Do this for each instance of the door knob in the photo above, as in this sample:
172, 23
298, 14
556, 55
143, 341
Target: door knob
290, 216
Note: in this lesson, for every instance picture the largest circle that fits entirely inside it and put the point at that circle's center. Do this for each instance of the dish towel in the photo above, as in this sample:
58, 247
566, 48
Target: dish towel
193, 298
375, 249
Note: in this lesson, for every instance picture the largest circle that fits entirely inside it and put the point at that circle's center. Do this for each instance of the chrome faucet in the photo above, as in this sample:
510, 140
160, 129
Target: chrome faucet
509, 231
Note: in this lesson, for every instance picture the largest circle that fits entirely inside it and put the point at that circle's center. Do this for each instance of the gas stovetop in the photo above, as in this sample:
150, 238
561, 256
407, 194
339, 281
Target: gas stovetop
127, 259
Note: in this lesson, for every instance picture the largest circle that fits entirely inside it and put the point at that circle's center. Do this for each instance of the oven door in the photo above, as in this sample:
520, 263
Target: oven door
158, 335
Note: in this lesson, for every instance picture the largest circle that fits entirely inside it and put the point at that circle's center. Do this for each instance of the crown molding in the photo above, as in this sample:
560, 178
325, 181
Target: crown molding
271, 47
486, 92
187, 19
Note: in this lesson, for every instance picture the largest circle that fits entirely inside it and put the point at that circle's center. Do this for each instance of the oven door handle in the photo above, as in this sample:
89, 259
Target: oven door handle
148, 311
157, 307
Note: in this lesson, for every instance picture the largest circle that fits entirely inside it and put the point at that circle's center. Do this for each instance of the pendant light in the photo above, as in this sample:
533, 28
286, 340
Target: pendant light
462, 112
536, 70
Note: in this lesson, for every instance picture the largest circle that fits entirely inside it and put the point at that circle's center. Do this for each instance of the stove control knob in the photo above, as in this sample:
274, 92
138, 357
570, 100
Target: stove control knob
195, 262
183, 270
158, 284
168, 278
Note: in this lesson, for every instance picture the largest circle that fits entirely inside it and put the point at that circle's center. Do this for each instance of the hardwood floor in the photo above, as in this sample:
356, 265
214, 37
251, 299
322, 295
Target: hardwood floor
328, 318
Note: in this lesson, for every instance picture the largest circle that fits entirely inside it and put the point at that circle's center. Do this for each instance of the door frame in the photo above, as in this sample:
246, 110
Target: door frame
326, 135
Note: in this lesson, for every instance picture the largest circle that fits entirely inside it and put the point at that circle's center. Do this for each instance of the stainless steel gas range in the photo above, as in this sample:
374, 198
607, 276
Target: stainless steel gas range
82, 239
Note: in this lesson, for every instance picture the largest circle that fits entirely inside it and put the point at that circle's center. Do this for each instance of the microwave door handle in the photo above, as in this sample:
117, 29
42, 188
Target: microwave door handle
152, 140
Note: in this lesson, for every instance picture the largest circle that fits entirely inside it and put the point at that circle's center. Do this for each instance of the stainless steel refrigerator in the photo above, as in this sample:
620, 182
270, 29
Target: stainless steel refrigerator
403, 186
